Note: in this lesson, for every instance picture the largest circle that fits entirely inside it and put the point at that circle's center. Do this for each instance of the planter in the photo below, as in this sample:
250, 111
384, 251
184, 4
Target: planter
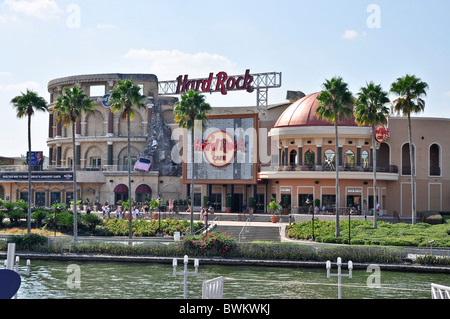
227, 209
274, 219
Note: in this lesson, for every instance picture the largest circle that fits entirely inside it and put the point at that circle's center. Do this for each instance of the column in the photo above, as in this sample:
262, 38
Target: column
58, 154
319, 155
300, 155
110, 153
340, 155
50, 125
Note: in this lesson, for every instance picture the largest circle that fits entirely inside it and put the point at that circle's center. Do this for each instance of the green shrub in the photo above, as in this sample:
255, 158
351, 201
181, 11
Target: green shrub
434, 219
92, 221
29, 241
209, 244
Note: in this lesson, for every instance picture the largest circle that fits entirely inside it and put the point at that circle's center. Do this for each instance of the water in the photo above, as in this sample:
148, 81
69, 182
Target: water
111, 280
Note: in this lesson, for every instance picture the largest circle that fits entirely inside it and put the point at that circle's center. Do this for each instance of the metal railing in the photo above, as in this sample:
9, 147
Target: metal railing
326, 167
440, 292
244, 229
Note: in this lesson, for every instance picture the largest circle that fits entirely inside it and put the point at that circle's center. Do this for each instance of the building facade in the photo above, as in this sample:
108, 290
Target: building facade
286, 153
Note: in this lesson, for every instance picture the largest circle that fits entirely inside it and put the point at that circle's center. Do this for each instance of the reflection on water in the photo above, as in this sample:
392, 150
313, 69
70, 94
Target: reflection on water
48, 280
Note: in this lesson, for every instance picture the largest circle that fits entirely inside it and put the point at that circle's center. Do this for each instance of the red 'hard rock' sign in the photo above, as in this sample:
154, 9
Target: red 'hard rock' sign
381, 133
222, 84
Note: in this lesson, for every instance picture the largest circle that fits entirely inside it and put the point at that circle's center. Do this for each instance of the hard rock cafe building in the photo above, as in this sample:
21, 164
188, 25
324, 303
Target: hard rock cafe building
284, 152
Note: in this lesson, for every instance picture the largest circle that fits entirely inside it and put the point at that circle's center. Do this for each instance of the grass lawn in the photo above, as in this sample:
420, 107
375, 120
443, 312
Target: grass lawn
363, 233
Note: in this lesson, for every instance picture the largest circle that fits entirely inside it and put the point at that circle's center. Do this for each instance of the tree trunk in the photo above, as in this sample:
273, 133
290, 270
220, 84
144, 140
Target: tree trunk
29, 176
130, 231
375, 197
337, 233
74, 169
413, 171
192, 181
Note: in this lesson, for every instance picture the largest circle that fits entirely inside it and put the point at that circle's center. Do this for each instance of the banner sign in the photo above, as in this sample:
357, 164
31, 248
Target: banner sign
37, 176
226, 151
221, 83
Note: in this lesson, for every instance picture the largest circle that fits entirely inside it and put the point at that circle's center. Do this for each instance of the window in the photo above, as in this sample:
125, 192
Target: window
435, 167
406, 163
96, 162
40, 199
329, 159
365, 159
293, 157
309, 158
97, 90
349, 159
55, 198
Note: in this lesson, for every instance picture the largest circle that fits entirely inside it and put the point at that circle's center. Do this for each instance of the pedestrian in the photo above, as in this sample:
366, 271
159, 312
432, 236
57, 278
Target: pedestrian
170, 205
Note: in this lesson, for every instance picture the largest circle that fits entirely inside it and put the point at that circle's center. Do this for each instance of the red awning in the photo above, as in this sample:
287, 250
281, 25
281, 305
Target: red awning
121, 188
143, 188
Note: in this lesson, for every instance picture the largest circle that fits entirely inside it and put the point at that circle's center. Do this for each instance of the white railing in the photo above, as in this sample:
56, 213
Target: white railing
247, 223
213, 289
440, 292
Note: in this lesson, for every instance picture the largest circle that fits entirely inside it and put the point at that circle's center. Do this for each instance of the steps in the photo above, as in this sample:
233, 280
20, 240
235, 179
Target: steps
251, 233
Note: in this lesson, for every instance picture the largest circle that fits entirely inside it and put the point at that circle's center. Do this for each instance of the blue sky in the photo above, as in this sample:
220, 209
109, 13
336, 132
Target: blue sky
308, 41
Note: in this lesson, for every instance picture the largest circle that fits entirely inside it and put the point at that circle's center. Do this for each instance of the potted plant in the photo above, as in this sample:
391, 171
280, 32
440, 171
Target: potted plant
251, 205
274, 209
228, 204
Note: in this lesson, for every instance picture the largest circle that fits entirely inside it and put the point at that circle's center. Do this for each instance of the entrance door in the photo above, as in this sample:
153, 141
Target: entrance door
236, 205
216, 202
354, 201
259, 202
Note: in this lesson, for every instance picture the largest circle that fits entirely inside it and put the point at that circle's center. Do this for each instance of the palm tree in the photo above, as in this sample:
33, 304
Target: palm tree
191, 108
69, 107
370, 110
410, 90
124, 97
334, 104
26, 104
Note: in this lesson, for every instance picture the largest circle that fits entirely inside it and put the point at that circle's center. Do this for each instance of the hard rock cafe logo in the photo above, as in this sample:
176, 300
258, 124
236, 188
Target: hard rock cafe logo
219, 148
381, 133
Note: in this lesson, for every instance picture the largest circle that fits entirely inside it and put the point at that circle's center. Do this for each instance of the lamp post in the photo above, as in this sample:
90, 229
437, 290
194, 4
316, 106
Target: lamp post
339, 274
185, 272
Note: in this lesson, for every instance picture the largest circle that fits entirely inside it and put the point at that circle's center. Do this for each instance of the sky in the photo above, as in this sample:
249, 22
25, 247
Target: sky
307, 41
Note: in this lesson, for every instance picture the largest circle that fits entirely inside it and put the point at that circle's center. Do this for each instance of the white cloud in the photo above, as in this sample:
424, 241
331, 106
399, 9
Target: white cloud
20, 87
447, 94
42, 9
107, 27
350, 34
168, 64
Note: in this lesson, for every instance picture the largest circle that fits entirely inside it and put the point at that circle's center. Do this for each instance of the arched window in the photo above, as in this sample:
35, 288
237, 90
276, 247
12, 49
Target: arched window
330, 159
309, 158
383, 156
365, 163
435, 167
293, 158
349, 159
406, 163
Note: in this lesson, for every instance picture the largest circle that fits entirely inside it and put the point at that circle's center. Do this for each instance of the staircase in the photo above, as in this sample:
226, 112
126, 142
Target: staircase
251, 233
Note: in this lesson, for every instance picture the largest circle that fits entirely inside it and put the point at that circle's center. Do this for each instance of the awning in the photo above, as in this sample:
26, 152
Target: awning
121, 188
143, 188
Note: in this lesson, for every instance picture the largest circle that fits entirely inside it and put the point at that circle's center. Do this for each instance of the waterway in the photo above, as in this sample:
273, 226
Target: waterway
115, 280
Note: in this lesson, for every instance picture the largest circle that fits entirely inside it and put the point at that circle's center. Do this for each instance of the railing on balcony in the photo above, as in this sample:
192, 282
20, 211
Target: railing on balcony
59, 168
345, 167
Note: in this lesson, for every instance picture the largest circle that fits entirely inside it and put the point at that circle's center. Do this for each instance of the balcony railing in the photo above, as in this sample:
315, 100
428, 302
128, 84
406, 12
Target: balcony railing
330, 167
59, 168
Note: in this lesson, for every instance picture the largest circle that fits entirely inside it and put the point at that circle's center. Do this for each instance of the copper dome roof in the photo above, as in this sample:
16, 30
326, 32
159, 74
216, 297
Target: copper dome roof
303, 113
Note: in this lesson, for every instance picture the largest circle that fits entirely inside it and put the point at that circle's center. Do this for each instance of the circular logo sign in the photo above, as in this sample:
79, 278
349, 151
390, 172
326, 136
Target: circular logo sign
105, 100
219, 148
381, 133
